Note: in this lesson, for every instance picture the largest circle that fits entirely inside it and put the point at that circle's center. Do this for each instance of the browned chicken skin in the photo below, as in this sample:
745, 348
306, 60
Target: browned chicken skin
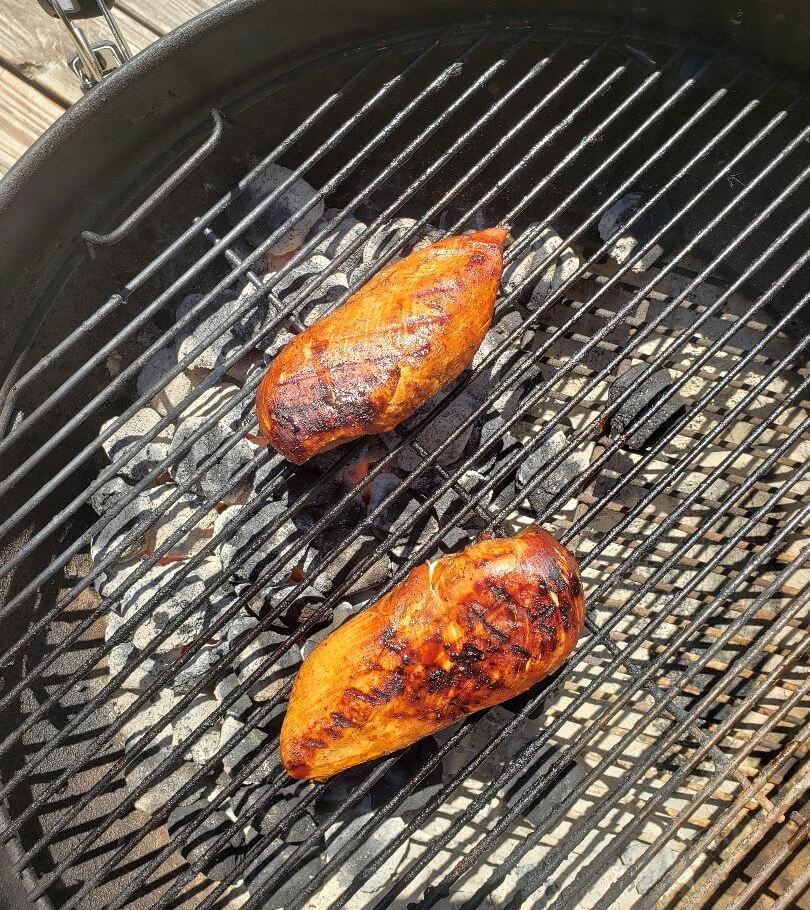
371, 363
471, 630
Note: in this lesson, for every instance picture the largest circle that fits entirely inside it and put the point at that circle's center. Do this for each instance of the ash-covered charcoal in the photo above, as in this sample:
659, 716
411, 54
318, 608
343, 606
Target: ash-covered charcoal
110, 581
272, 342
365, 851
304, 607
173, 390
385, 239
209, 320
626, 419
428, 235
378, 490
170, 520
343, 611
638, 234
211, 477
167, 783
289, 203
344, 558
220, 400
448, 419
519, 273
107, 495
503, 446
123, 655
340, 238
256, 805
250, 657
297, 875
241, 707
560, 269
423, 530
201, 833
137, 729
322, 296
563, 477
136, 519
169, 591
250, 549
489, 375
127, 442
252, 750
191, 674
504, 495
189, 721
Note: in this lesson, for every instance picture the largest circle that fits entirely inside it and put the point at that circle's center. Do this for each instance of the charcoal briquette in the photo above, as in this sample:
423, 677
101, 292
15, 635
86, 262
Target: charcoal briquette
289, 204
202, 832
127, 442
626, 418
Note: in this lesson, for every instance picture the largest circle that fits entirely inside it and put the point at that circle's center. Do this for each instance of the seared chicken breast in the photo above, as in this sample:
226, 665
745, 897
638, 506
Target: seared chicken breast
465, 632
372, 362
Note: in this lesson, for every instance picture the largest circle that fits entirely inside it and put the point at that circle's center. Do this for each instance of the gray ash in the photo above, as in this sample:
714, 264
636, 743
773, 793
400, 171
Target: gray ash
287, 205
210, 477
207, 321
127, 443
203, 833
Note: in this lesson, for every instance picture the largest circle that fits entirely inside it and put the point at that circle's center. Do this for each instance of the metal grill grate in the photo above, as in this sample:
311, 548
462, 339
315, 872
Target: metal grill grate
674, 741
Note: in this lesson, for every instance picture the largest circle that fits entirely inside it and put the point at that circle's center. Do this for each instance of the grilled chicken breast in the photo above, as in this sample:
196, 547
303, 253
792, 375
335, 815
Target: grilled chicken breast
468, 631
371, 363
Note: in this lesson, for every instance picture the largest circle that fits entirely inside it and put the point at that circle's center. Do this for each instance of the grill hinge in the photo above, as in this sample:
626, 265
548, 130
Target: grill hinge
92, 60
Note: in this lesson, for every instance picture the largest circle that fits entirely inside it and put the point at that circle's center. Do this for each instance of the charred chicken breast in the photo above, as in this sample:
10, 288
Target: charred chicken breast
465, 632
371, 363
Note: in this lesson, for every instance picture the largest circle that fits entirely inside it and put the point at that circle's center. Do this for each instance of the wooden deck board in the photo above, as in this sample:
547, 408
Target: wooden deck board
36, 85
164, 15
25, 114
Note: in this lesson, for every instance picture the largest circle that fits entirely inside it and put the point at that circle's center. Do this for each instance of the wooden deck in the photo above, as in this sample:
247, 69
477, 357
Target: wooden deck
36, 85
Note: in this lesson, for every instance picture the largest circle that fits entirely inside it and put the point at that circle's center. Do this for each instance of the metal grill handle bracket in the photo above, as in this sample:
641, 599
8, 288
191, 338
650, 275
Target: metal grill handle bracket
164, 190
92, 61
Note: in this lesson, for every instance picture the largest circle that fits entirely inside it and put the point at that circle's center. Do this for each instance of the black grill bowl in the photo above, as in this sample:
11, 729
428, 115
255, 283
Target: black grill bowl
703, 106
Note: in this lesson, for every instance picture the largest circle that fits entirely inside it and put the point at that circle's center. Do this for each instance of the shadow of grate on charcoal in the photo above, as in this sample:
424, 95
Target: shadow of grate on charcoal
642, 393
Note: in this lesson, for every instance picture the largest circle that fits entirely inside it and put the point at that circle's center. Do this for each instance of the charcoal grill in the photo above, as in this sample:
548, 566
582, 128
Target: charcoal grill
666, 763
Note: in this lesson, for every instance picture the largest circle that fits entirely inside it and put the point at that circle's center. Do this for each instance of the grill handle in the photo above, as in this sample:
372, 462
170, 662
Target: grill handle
164, 190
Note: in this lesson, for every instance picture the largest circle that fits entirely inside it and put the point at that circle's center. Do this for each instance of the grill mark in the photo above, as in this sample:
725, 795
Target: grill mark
360, 696
389, 640
437, 680
340, 720
479, 614
546, 629
521, 652
313, 743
